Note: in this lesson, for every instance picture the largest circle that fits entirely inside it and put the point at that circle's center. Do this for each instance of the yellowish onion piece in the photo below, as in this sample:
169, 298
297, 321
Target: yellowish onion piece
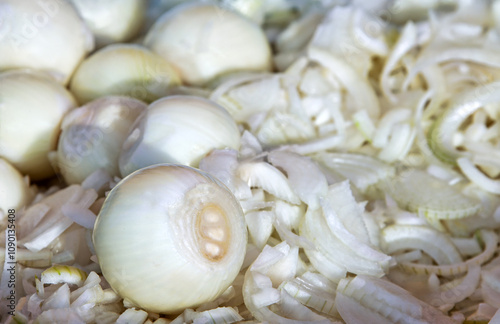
178, 244
32, 106
203, 41
124, 69
44, 35
63, 274
440, 54
418, 191
92, 137
407, 40
14, 189
112, 21
178, 129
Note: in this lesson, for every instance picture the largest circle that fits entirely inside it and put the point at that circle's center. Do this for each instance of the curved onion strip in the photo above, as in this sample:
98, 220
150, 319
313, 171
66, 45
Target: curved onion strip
477, 177
490, 239
434, 243
332, 254
269, 178
344, 215
304, 176
459, 292
386, 124
288, 215
477, 55
358, 87
421, 139
292, 308
313, 290
443, 130
407, 40
377, 298
399, 144
290, 237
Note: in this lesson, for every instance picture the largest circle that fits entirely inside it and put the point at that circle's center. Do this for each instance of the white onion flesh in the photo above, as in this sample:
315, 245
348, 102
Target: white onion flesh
124, 70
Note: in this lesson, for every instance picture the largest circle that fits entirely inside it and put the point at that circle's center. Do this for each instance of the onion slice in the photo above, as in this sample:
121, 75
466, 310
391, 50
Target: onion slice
365, 299
303, 175
443, 130
489, 238
431, 241
418, 191
362, 170
269, 178
359, 88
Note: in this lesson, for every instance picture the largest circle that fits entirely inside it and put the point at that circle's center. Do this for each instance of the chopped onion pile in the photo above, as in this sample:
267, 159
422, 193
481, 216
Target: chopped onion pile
361, 141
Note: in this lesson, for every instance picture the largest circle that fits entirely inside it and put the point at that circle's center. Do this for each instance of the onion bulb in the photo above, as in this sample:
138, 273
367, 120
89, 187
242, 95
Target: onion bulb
32, 106
204, 41
44, 35
14, 190
123, 69
92, 137
170, 237
112, 21
178, 129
